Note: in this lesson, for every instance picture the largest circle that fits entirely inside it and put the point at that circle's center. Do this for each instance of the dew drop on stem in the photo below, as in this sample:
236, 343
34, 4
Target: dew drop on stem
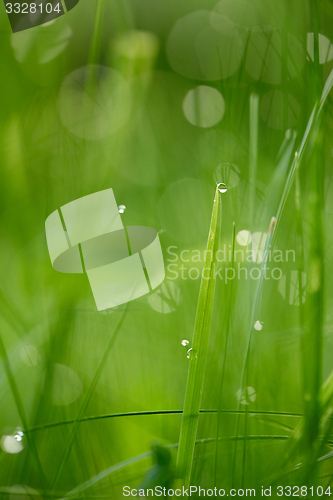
192, 353
222, 187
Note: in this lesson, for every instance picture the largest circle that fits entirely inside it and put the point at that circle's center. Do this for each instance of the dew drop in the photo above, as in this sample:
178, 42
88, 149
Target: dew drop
222, 187
121, 209
192, 353
11, 444
19, 434
258, 325
185, 342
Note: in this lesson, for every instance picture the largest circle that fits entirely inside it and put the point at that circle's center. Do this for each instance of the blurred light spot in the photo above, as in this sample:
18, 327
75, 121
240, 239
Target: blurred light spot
244, 238
325, 48
265, 56
12, 445
204, 106
64, 388
196, 50
228, 173
19, 492
166, 299
273, 108
258, 325
29, 355
135, 52
40, 45
246, 396
121, 209
289, 287
185, 342
94, 102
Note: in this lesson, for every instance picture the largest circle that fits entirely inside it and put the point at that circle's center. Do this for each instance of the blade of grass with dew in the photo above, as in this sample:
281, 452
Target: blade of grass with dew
197, 362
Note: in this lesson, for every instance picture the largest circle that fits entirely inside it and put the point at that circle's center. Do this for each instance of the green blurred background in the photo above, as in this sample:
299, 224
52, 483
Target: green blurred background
152, 99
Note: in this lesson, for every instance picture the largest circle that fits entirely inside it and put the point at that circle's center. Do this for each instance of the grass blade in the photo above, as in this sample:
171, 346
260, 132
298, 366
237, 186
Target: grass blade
197, 362
224, 358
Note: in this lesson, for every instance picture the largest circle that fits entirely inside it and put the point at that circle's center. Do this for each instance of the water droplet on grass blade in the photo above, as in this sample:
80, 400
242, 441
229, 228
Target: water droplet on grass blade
121, 209
19, 434
185, 342
192, 353
12, 445
222, 187
258, 325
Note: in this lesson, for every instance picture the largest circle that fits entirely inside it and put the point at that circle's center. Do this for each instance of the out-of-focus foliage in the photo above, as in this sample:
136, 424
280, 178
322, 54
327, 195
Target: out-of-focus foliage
153, 99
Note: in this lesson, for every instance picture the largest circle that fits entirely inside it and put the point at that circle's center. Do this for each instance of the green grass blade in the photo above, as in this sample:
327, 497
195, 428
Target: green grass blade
253, 152
299, 154
197, 363
313, 333
106, 416
224, 357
